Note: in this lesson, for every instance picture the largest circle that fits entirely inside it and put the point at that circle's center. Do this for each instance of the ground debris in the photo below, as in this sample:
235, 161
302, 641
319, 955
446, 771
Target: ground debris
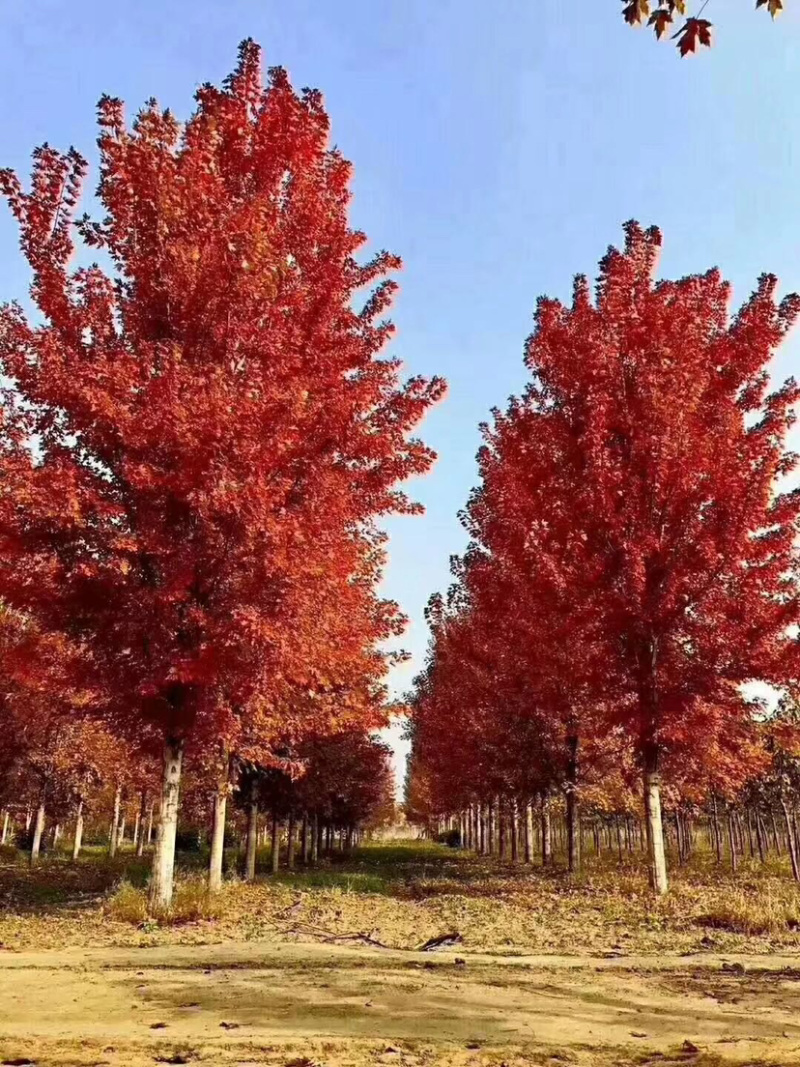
442, 941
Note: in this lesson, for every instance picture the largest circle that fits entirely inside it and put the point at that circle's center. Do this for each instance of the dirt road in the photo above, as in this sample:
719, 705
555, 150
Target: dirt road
252, 1004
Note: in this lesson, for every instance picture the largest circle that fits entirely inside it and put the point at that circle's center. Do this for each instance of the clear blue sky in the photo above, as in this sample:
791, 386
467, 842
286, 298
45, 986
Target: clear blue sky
498, 146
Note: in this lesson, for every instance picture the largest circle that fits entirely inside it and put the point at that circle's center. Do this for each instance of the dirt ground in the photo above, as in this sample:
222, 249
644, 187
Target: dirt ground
300, 1005
323, 968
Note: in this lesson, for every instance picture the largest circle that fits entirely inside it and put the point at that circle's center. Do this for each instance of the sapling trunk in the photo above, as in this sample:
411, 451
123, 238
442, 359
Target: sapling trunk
220, 804
792, 840
761, 837
304, 840
38, 830
5, 828
252, 835
546, 833
732, 842
618, 824
717, 829
275, 856
573, 814
113, 835
656, 856
776, 834
142, 831
77, 840
161, 880
315, 835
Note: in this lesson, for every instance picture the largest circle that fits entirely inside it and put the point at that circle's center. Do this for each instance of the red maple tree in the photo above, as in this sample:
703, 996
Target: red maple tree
213, 414
635, 559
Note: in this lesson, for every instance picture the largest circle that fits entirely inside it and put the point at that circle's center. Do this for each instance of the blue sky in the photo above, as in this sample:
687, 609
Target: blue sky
498, 146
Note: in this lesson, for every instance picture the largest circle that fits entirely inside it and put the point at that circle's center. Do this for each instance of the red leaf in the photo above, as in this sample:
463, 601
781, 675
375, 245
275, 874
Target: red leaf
694, 32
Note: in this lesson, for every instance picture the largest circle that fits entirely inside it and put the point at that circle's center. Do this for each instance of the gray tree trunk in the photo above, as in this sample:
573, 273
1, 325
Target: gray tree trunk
304, 840
547, 833
77, 840
38, 830
161, 880
252, 836
217, 838
656, 856
113, 837
275, 856
290, 841
528, 832
142, 831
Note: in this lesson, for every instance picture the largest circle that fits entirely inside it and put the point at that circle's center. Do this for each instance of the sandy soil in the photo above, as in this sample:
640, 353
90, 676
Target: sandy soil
303, 1005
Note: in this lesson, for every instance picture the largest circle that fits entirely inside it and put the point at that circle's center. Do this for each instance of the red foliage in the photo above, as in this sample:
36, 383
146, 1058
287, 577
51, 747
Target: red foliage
635, 558
213, 417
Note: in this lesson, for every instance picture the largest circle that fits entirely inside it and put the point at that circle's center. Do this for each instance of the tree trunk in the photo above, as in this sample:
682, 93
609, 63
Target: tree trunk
77, 840
136, 828
717, 829
792, 840
5, 828
657, 861
275, 857
38, 830
142, 831
732, 840
290, 836
776, 834
528, 832
679, 836
122, 829
150, 812
748, 816
514, 831
546, 833
113, 836
304, 841
220, 805
315, 834
161, 880
761, 837
252, 835
573, 814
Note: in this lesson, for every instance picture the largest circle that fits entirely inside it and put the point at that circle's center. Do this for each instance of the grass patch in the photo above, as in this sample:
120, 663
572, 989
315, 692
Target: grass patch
191, 902
402, 894
346, 881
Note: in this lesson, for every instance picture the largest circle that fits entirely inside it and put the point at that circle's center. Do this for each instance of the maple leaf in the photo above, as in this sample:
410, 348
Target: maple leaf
775, 7
660, 19
635, 10
694, 32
